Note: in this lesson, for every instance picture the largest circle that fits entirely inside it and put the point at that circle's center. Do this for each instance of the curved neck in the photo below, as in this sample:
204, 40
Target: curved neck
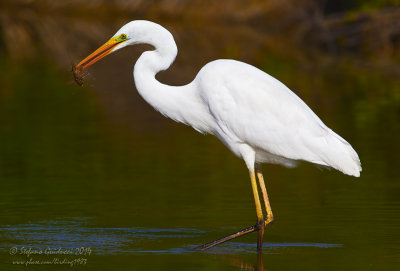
168, 100
180, 103
161, 58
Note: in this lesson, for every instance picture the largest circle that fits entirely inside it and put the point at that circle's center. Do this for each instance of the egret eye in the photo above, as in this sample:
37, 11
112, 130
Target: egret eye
123, 36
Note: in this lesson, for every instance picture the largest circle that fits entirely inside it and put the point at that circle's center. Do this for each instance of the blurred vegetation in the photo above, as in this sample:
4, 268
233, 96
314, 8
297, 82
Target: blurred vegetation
369, 31
377, 4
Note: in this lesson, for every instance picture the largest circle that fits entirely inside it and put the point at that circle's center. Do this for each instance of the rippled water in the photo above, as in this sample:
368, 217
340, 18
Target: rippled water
79, 234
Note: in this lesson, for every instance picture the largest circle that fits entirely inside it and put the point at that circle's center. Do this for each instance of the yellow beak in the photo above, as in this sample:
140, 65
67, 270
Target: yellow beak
104, 50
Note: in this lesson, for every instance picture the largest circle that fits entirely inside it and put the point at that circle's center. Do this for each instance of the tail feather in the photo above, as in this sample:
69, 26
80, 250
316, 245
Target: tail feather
341, 155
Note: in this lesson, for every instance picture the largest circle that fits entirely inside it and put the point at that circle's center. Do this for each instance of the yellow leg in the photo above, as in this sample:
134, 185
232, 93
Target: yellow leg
260, 218
256, 197
261, 223
270, 216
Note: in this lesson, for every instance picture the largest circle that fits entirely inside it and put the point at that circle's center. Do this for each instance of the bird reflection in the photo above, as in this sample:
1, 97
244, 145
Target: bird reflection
243, 265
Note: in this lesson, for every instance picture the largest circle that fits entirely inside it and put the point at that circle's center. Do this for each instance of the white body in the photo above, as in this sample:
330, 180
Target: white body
256, 116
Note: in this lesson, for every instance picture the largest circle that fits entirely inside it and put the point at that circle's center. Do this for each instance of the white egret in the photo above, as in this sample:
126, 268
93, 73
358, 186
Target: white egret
256, 116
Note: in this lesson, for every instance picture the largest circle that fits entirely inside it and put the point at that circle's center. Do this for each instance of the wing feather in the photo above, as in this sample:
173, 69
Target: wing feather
263, 113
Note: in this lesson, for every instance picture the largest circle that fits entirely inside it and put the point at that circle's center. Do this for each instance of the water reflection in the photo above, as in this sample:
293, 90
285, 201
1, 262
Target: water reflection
244, 265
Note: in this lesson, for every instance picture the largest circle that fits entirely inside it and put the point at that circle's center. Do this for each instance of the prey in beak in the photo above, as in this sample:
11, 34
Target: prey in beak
105, 49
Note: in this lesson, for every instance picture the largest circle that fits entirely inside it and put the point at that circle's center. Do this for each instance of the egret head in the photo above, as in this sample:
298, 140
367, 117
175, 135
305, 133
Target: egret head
115, 43
135, 32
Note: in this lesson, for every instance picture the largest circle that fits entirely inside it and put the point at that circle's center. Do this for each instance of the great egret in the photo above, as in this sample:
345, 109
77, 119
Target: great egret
256, 116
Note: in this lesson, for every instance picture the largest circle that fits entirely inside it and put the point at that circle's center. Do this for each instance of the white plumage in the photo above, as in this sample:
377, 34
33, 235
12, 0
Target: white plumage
250, 107
257, 117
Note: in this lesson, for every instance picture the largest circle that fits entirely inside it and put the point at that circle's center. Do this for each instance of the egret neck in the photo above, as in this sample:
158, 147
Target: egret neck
171, 101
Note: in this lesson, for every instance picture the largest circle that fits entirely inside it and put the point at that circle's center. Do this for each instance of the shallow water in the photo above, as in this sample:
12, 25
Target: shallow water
96, 171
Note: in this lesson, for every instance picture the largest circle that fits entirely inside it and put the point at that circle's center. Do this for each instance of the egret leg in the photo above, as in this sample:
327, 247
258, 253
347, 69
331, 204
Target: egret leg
269, 215
256, 197
260, 218
258, 227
